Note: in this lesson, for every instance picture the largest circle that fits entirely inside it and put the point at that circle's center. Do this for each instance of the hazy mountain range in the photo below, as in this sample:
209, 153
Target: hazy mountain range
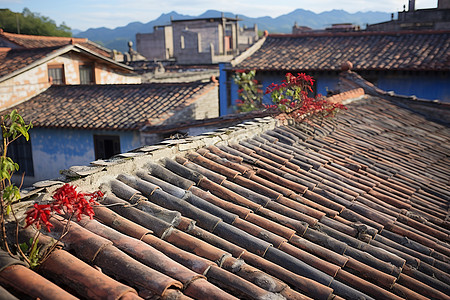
118, 37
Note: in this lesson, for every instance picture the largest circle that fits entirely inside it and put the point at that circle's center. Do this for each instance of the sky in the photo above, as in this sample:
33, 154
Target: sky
85, 14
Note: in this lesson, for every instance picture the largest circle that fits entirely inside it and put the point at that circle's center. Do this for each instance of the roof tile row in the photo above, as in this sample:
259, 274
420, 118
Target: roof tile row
296, 212
366, 50
104, 106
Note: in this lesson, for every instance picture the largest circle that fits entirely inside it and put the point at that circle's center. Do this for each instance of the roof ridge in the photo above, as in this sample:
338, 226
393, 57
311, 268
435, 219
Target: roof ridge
6, 34
358, 33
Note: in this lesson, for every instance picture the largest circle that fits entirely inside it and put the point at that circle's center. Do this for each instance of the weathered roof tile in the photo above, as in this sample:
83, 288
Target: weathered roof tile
121, 106
357, 210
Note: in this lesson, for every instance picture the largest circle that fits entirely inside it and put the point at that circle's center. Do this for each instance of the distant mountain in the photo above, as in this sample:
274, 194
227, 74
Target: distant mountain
76, 31
118, 38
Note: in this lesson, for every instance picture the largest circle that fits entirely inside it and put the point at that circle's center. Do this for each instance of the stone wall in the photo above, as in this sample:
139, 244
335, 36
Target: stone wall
23, 86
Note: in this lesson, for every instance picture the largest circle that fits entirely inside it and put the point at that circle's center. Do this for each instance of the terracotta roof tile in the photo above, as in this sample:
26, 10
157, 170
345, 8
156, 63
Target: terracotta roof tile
36, 41
366, 50
15, 59
122, 107
358, 209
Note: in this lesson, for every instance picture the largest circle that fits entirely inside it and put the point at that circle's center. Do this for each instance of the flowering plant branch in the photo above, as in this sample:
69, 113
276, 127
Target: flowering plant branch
66, 200
12, 128
250, 96
292, 97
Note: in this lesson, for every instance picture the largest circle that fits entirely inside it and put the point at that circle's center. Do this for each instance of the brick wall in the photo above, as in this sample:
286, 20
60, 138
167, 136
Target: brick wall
23, 86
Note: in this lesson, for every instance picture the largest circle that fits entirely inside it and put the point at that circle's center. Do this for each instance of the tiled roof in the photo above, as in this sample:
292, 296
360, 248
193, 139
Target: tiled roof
356, 209
16, 59
122, 107
366, 50
37, 41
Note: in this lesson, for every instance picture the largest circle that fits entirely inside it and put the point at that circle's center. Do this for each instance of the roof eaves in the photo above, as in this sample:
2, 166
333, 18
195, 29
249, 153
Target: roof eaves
109, 60
63, 50
356, 33
51, 55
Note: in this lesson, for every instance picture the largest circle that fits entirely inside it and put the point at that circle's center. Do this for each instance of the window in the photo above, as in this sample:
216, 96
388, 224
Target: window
182, 42
86, 74
56, 74
20, 153
106, 146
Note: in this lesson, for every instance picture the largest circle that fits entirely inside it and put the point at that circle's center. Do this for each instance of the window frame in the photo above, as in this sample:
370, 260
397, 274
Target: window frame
85, 66
62, 81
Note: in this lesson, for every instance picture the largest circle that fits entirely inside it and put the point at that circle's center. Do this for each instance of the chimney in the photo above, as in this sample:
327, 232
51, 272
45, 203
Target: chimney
412, 5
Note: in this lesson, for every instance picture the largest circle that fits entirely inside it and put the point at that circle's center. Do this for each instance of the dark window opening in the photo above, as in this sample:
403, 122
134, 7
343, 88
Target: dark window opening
20, 152
106, 146
86, 74
56, 74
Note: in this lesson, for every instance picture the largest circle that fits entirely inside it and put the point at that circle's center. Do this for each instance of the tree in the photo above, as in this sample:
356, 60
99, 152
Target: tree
28, 22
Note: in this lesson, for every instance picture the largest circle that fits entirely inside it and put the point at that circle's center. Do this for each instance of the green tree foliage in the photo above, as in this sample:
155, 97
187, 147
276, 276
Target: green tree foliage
31, 23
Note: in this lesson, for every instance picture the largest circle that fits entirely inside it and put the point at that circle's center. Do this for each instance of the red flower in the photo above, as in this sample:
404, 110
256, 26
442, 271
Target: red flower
66, 200
38, 215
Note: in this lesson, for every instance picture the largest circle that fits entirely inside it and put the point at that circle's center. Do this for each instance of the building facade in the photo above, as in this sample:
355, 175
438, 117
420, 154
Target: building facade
196, 41
418, 19
31, 64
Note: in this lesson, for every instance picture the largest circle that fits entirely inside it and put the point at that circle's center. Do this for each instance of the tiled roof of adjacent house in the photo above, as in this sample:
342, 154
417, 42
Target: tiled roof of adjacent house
355, 209
119, 106
366, 50
16, 59
37, 41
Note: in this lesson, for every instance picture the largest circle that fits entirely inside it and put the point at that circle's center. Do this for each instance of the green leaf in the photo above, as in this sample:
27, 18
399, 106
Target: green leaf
23, 131
24, 247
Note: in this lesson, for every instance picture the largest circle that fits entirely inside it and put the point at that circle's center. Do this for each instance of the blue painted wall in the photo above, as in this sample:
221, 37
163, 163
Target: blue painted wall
432, 86
56, 149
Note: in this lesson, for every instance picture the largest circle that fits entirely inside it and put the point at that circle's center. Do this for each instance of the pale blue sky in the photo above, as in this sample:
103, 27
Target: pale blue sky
84, 14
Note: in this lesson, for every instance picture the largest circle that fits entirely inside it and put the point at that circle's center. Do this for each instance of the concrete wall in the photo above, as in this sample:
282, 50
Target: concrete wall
156, 45
57, 149
437, 19
208, 32
247, 37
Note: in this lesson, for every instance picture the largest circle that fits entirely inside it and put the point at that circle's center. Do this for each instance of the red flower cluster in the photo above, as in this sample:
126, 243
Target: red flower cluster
39, 214
291, 97
65, 200
301, 80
